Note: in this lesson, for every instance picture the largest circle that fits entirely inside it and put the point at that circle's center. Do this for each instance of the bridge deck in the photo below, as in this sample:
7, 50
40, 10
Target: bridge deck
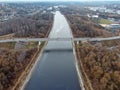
58, 39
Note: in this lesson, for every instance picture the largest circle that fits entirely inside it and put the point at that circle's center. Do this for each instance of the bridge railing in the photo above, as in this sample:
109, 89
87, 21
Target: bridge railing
58, 39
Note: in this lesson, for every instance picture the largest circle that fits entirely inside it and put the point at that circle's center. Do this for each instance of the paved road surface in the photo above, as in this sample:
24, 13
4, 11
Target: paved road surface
58, 39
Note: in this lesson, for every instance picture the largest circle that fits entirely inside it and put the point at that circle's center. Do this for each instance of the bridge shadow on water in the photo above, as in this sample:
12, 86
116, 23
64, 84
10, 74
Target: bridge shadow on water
59, 50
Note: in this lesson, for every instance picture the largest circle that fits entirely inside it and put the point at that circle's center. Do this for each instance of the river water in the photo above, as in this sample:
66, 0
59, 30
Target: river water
56, 69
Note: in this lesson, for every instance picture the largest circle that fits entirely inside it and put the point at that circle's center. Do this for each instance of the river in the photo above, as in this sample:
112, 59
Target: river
56, 69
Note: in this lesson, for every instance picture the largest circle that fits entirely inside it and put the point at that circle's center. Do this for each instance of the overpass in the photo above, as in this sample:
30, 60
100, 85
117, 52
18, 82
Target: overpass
58, 39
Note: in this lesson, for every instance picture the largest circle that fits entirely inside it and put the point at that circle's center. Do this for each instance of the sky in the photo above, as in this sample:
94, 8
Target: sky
51, 0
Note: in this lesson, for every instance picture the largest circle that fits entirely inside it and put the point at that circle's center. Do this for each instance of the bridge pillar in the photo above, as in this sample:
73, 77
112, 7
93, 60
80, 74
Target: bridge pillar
77, 42
39, 43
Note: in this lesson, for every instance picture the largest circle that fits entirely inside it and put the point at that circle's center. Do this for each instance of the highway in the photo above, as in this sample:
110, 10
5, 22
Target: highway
58, 39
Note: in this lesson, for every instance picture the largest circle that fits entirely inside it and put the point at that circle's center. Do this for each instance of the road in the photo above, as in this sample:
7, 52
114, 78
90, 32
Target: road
58, 39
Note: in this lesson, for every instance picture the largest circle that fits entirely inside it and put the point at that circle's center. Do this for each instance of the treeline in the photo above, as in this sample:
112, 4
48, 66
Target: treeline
11, 66
76, 10
101, 64
108, 44
30, 26
112, 43
82, 27
81, 24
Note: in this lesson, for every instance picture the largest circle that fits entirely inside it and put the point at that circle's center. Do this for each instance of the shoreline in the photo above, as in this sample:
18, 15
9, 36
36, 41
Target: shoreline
87, 84
81, 81
75, 59
29, 75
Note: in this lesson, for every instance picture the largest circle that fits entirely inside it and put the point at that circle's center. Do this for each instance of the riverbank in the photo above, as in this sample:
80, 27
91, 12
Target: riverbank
85, 79
25, 72
33, 64
80, 77
31, 68
100, 64
76, 61
78, 67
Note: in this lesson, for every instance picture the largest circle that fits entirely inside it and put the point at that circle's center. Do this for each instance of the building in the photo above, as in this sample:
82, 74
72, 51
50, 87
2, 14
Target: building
113, 26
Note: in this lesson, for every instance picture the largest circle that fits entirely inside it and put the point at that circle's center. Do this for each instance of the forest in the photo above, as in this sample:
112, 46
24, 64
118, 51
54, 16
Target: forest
12, 64
28, 26
100, 64
17, 58
82, 25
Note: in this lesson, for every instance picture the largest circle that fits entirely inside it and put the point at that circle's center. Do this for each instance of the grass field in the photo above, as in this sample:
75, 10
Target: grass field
105, 21
9, 45
31, 45
101, 21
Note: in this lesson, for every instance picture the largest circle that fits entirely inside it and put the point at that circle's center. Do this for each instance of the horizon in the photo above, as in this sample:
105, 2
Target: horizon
59, 1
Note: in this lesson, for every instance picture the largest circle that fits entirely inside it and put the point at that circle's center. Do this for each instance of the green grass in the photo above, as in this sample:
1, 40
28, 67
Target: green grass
105, 21
101, 21
9, 45
31, 45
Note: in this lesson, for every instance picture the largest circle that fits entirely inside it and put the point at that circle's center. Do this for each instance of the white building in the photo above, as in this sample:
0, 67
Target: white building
95, 16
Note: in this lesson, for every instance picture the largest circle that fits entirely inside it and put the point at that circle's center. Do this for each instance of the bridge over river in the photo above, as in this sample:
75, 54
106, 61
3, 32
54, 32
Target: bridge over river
58, 39
56, 67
